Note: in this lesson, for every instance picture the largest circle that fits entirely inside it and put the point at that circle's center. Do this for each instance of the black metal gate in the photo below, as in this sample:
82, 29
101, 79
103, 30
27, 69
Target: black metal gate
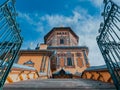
10, 39
109, 40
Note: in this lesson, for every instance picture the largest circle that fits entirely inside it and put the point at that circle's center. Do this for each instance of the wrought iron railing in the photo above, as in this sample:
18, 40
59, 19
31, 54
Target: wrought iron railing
109, 40
10, 39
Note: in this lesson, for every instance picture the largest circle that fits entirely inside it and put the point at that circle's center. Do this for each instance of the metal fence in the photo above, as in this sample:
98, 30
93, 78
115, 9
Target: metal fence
109, 40
10, 39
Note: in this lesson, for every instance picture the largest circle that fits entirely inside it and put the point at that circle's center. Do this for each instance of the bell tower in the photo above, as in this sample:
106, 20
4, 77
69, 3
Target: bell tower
61, 36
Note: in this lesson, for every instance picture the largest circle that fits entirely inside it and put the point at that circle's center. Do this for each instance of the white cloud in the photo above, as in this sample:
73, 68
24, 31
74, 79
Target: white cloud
85, 25
32, 44
32, 20
26, 17
97, 3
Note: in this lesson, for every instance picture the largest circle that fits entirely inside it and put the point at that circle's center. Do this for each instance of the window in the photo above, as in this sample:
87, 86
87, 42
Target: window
69, 61
61, 41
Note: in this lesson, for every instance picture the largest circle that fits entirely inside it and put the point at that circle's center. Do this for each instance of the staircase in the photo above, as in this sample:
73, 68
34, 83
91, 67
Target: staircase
59, 84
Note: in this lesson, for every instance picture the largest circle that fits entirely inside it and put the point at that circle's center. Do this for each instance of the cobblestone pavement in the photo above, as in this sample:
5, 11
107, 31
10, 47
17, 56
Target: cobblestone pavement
59, 84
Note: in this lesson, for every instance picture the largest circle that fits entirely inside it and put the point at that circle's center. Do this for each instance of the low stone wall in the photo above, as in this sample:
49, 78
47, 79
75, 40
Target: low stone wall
21, 73
99, 73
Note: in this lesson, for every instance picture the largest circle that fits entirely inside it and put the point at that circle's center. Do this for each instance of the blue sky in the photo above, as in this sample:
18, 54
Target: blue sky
37, 17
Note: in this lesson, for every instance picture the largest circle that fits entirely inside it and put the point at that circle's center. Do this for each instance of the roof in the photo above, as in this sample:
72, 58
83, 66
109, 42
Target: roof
18, 66
68, 47
62, 70
36, 52
101, 67
93, 68
58, 28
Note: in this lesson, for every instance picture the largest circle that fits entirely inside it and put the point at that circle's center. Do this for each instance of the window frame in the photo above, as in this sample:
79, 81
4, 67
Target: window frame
69, 61
61, 41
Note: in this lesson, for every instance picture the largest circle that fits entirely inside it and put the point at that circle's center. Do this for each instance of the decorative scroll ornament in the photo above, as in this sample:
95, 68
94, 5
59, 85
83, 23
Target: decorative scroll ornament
107, 9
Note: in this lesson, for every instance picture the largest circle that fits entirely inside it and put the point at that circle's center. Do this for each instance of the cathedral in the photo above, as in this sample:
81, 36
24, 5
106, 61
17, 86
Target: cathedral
59, 56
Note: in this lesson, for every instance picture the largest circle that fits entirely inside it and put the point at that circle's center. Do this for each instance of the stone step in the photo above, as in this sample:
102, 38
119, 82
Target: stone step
60, 84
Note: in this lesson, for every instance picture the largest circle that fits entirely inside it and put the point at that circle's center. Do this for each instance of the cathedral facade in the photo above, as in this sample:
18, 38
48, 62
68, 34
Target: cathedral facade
59, 56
